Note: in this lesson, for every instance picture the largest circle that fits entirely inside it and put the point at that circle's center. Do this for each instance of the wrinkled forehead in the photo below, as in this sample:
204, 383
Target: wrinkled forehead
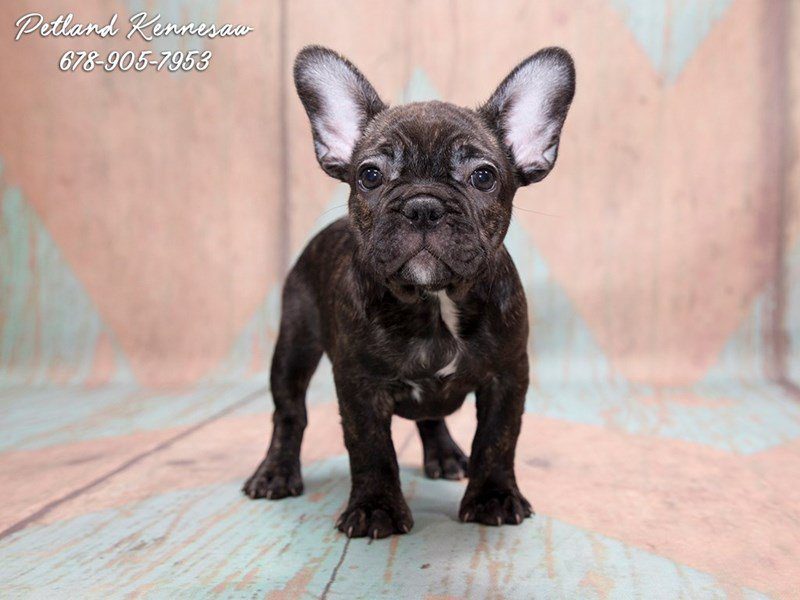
428, 139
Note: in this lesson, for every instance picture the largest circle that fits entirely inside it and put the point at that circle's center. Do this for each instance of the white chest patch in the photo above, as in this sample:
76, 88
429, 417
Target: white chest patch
449, 313
416, 390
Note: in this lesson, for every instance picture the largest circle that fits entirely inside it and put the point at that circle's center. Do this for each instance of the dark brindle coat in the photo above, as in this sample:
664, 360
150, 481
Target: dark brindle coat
413, 296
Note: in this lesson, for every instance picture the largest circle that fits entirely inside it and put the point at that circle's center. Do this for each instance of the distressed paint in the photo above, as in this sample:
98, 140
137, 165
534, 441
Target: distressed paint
670, 31
419, 88
682, 500
191, 535
742, 418
178, 11
660, 277
49, 327
189, 549
251, 352
562, 348
216, 450
732, 408
662, 273
47, 416
632, 251
160, 192
545, 558
746, 354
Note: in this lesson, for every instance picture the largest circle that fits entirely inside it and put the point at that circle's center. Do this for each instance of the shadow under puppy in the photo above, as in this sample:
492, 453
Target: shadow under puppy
413, 295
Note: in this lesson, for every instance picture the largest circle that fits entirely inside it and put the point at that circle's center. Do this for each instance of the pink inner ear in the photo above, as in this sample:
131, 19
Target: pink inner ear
530, 123
338, 122
338, 134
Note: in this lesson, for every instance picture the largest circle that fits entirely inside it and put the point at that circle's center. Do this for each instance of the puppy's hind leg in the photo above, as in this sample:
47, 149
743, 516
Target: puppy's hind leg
297, 354
441, 456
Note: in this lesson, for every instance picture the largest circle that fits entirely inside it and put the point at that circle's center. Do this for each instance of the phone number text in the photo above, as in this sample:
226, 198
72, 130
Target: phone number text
191, 60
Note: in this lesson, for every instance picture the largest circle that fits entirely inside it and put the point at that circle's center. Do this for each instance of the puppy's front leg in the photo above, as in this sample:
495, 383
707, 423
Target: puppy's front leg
376, 507
492, 496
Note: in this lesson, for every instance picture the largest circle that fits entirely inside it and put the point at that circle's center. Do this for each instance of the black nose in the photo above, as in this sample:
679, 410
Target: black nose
423, 210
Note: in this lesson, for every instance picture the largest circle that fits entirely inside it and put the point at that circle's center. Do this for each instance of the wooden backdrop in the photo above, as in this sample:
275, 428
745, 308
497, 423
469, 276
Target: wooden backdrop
147, 218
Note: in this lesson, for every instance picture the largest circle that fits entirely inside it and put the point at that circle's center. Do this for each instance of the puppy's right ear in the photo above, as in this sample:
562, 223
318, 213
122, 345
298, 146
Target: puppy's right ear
339, 101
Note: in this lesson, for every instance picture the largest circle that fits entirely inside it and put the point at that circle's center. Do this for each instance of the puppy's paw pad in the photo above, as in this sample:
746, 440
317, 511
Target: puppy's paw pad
495, 508
376, 522
274, 482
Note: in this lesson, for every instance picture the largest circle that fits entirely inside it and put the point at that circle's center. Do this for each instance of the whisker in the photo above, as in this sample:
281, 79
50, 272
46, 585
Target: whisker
332, 208
538, 212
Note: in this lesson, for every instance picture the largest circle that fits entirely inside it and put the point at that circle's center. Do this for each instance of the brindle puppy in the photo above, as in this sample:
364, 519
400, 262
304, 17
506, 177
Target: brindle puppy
413, 296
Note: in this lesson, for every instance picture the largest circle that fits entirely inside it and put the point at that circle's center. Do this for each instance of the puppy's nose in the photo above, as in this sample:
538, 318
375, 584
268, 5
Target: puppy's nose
424, 211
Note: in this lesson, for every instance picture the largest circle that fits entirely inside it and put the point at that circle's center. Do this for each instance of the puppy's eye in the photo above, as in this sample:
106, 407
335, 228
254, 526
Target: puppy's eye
482, 179
370, 177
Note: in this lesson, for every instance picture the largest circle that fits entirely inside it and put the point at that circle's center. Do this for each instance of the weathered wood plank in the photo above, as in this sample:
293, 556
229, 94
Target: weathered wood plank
46, 416
210, 541
689, 498
159, 190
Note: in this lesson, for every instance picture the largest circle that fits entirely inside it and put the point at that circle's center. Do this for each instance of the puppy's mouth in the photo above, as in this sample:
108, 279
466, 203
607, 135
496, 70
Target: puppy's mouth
425, 271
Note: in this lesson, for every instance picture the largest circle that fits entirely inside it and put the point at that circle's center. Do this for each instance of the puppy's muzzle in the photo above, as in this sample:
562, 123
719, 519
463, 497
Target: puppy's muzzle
423, 212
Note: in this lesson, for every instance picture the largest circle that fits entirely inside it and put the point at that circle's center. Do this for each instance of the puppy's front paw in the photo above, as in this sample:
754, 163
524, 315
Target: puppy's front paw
377, 518
274, 480
494, 507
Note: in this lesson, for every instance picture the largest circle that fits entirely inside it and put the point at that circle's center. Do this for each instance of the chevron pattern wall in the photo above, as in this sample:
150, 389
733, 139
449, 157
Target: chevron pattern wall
659, 233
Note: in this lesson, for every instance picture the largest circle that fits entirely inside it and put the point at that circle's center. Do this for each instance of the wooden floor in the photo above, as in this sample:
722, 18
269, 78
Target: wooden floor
115, 491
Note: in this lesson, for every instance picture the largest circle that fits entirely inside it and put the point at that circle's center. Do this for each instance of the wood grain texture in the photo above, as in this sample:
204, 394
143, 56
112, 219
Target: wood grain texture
159, 189
665, 226
637, 514
659, 243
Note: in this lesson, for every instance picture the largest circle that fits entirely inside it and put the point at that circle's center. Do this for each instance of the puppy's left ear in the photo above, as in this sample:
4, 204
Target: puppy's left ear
528, 110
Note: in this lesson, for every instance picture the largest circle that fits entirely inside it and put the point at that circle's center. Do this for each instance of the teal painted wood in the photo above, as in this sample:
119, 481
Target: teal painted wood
177, 11
419, 88
38, 417
733, 408
670, 31
739, 417
251, 352
211, 542
48, 324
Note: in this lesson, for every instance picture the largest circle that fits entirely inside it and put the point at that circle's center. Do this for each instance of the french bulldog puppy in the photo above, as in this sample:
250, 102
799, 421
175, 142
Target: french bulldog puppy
413, 295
